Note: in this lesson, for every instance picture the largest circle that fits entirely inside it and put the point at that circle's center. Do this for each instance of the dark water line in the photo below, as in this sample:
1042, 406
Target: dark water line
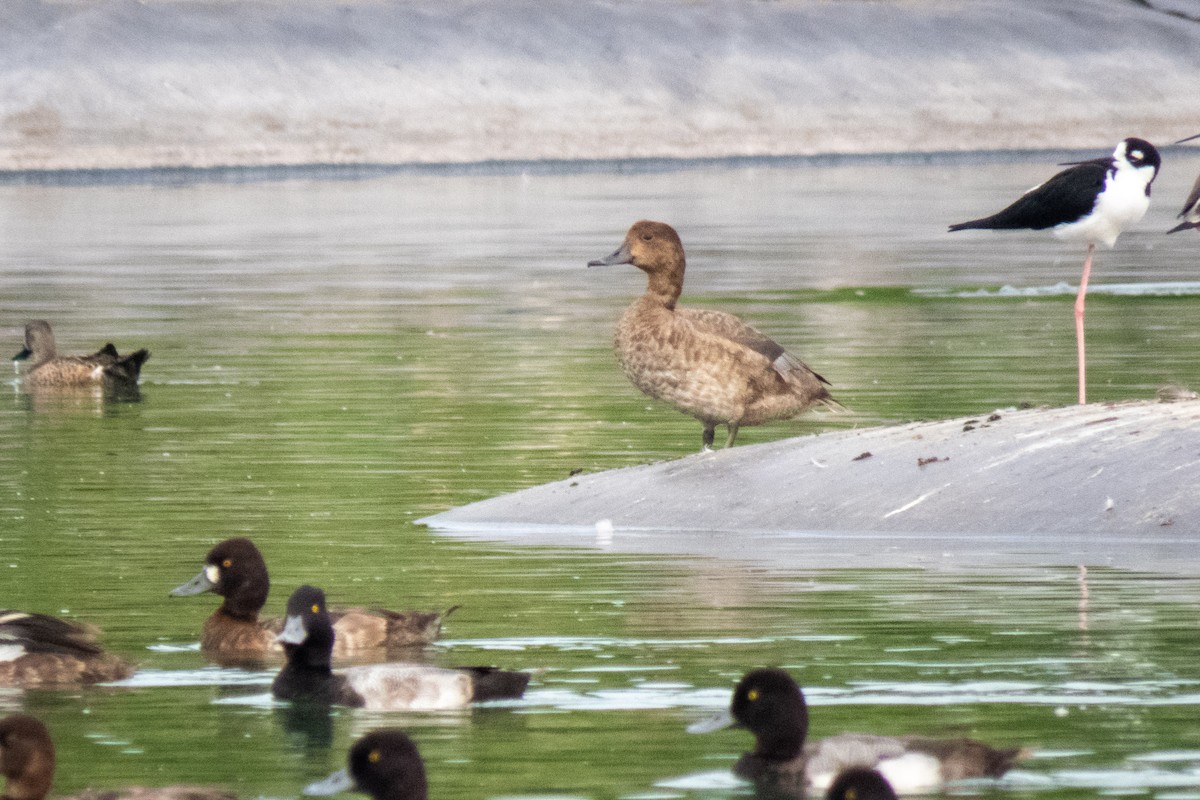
173, 176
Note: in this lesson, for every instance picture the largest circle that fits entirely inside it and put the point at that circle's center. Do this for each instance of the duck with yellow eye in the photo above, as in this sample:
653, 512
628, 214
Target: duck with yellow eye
384, 764
235, 570
770, 704
706, 363
308, 638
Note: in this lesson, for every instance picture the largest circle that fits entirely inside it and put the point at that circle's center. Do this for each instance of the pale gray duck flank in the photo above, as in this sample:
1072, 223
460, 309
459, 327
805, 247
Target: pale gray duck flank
708, 364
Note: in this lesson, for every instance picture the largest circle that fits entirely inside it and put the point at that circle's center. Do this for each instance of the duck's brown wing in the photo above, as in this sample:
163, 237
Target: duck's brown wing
42, 633
966, 758
727, 326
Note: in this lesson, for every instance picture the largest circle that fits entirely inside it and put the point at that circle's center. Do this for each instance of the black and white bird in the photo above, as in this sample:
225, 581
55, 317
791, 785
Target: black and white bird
1191, 207
1091, 202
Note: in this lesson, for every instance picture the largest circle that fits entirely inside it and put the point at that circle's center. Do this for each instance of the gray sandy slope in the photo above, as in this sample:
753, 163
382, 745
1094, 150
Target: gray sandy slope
145, 83
1102, 483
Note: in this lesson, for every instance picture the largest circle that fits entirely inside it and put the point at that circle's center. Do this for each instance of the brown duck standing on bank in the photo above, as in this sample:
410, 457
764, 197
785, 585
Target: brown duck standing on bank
708, 364
48, 370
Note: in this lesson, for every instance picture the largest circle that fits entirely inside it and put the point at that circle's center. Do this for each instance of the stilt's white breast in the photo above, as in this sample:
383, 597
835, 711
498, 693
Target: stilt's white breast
1121, 203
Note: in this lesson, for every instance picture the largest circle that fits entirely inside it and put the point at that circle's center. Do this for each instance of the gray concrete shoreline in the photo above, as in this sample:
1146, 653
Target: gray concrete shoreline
185, 83
1097, 484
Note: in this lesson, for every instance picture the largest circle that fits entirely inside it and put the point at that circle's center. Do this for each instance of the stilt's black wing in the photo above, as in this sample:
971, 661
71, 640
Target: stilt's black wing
1068, 196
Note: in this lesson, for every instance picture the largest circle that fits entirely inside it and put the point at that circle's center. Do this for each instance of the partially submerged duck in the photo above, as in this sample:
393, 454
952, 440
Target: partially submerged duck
858, 783
308, 640
27, 762
38, 650
708, 364
384, 764
235, 570
48, 370
770, 704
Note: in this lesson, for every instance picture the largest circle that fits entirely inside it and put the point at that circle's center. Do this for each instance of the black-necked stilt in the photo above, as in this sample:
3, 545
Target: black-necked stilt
1091, 202
1191, 207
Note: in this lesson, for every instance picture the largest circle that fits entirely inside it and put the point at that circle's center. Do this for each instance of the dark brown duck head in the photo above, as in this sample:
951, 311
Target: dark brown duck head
655, 249
235, 570
26, 757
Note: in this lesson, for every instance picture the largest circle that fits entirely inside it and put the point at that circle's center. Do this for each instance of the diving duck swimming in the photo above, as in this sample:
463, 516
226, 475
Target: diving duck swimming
770, 704
384, 764
308, 637
38, 650
27, 762
708, 364
235, 570
48, 370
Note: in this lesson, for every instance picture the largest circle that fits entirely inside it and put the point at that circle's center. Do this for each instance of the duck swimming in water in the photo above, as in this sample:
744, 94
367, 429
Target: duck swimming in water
706, 363
48, 370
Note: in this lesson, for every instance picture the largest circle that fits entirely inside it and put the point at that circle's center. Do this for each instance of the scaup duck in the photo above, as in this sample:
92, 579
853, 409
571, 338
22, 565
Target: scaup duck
308, 639
27, 763
770, 704
40, 650
235, 570
708, 364
384, 764
47, 369
858, 783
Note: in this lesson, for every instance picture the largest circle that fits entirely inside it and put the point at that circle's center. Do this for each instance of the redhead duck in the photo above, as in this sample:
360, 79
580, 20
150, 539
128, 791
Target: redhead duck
235, 569
40, 650
384, 764
27, 762
770, 704
308, 637
48, 370
858, 783
1191, 207
708, 364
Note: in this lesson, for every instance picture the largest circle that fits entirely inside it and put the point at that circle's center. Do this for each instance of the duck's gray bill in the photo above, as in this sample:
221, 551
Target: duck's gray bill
293, 631
197, 585
339, 781
622, 256
716, 722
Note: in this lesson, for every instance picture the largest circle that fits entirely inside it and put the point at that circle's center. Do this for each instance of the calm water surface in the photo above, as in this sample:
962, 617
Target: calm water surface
335, 359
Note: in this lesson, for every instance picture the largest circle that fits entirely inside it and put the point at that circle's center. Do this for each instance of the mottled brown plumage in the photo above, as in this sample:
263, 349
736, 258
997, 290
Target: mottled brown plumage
27, 763
48, 370
236, 570
708, 364
38, 650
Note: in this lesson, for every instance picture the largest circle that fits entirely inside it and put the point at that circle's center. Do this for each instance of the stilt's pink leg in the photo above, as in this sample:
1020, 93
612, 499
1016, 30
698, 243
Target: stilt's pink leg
1079, 299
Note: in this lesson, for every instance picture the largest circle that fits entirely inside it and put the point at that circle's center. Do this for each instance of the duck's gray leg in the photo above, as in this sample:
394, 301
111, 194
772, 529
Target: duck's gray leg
710, 433
733, 429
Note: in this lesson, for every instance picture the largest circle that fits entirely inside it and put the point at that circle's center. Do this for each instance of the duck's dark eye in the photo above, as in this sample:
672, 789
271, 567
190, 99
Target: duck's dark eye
227, 563
647, 237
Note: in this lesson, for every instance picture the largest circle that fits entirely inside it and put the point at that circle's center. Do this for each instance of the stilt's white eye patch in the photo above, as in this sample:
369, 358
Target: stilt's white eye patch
1136, 155
213, 573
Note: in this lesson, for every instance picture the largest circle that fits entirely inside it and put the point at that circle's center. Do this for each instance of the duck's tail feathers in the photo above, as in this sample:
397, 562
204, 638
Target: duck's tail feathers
126, 369
492, 683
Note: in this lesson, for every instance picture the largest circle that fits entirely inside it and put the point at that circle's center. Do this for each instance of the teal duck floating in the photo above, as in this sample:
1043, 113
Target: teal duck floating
384, 764
38, 650
235, 570
770, 704
308, 637
708, 364
48, 370
27, 762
